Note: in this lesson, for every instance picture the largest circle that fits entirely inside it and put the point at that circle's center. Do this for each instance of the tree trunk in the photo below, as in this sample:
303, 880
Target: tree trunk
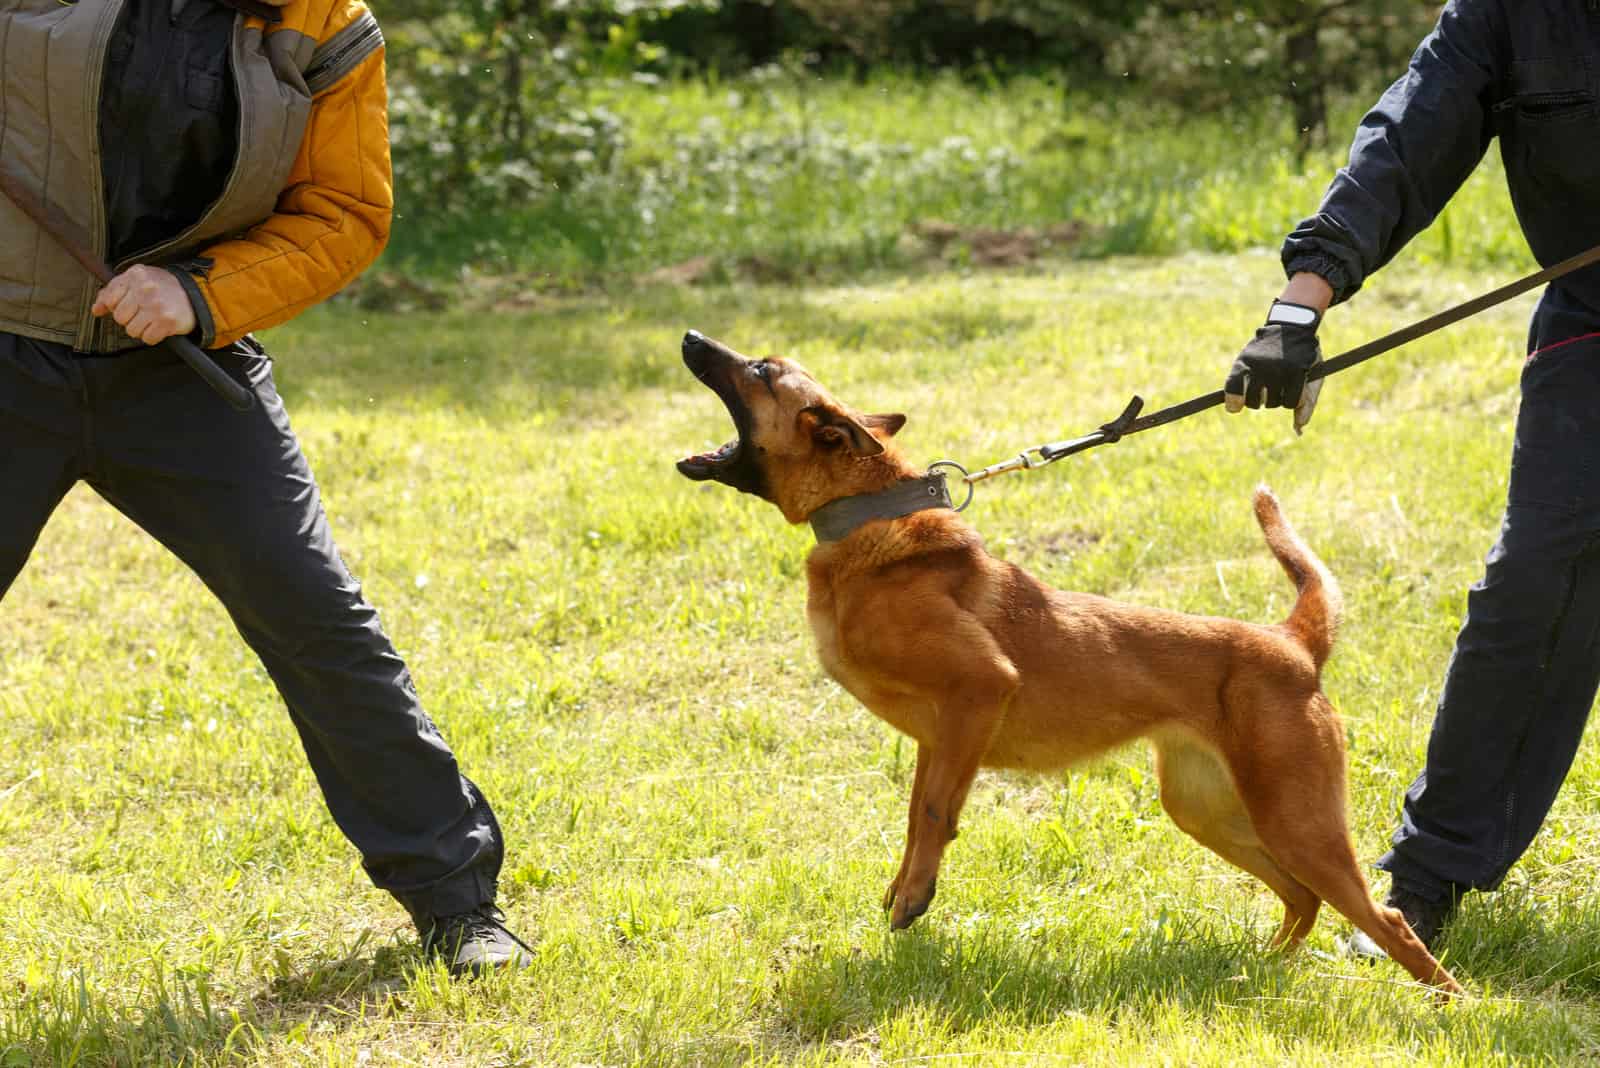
1307, 100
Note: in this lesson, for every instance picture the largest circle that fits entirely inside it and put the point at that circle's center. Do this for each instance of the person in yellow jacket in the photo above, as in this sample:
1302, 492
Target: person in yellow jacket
230, 159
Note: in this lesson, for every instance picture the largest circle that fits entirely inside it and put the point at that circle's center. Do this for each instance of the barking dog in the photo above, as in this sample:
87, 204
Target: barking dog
985, 666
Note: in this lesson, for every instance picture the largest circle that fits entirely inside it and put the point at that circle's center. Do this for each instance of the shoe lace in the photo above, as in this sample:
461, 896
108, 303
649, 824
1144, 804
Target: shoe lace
485, 921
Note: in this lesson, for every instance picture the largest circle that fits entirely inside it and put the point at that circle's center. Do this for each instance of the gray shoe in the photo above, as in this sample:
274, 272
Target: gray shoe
1427, 917
475, 943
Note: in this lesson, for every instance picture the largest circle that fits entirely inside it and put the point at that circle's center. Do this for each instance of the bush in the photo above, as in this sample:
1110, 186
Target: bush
488, 101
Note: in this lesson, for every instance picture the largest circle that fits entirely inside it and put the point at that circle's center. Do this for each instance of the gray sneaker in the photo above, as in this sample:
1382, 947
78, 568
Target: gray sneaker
1427, 917
475, 943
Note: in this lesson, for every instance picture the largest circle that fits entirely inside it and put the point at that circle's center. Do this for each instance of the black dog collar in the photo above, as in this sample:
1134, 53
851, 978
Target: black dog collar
838, 519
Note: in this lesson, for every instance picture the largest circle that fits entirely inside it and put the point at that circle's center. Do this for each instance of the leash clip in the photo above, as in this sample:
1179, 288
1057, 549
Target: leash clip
1023, 461
1049, 453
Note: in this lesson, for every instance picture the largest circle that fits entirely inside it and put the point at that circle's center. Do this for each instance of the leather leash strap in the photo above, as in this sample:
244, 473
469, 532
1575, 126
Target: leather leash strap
1126, 423
50, 219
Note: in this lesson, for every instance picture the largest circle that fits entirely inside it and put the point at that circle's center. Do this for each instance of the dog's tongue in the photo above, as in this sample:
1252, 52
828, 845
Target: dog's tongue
720, 453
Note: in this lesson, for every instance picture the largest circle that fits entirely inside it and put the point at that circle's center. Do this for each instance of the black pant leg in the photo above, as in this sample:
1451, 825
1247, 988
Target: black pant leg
41, 443
1527, 661
231, 495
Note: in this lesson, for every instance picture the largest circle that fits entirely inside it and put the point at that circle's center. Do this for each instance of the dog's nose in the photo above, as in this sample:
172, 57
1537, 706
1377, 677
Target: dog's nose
694, 339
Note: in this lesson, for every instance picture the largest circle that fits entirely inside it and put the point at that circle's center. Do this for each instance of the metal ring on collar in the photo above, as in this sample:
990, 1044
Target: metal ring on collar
971, 489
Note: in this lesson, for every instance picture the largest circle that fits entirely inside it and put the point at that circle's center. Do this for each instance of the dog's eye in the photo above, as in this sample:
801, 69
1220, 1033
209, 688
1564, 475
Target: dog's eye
763, 370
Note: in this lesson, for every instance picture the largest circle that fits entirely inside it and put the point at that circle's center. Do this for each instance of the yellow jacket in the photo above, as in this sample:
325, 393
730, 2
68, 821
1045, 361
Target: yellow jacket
305, 208
331, 216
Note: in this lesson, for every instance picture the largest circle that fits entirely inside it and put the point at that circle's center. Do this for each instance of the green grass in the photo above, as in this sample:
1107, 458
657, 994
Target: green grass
701, 824
809, 176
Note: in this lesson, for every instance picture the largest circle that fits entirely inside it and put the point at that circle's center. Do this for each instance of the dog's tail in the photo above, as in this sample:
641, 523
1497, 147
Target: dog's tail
1315, 618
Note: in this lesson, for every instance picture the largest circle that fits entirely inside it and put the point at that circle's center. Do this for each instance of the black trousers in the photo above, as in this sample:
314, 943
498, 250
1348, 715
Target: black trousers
1526, 664
231, 495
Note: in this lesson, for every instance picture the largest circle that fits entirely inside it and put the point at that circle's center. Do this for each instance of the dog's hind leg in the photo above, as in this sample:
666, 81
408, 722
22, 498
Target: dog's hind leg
1198, 793
1291, 779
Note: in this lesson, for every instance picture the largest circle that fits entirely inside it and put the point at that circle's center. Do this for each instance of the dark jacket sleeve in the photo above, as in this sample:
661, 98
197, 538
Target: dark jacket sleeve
1411, 152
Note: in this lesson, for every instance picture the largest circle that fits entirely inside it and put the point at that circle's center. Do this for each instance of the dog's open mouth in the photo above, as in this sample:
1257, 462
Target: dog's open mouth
732, 464
705, 465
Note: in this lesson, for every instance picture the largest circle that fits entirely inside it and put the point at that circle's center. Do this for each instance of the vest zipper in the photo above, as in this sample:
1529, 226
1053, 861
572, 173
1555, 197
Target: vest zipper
97, 201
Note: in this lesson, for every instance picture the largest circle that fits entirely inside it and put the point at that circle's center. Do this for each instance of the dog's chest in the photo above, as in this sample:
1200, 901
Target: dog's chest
825, 632
902, 713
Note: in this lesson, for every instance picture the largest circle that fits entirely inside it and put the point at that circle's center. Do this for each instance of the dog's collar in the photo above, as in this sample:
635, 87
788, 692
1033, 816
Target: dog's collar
838, 519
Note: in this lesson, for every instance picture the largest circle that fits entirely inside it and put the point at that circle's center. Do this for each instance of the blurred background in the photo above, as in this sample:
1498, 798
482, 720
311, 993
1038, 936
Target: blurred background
596, 142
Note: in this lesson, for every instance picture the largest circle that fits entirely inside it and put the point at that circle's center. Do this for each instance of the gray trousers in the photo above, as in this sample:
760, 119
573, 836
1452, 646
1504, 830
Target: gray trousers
231, 495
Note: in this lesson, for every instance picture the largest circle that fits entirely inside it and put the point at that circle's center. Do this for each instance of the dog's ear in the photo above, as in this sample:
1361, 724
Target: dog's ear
889, 424
831, 428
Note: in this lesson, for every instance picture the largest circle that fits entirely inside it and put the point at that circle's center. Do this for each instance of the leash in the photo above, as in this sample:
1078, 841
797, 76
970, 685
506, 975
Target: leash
1130, 422
50, 220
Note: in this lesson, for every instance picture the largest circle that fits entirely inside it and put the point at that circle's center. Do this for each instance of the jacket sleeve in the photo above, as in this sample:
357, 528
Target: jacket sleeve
1411, 152
332, 219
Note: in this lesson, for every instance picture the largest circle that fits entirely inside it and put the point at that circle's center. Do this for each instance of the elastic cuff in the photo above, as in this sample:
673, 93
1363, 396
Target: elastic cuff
1327, 268
205, 327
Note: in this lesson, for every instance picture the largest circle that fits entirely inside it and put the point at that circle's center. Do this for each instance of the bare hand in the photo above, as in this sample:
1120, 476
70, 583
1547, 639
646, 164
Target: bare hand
148, 302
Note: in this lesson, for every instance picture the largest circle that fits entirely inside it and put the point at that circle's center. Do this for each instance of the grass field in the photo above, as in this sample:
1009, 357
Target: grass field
700, 823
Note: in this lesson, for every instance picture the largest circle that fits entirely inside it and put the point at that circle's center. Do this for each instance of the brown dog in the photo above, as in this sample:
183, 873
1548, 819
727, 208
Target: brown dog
985, 666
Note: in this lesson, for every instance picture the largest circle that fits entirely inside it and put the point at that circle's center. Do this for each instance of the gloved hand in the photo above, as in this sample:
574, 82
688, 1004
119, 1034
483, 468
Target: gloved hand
1271, 371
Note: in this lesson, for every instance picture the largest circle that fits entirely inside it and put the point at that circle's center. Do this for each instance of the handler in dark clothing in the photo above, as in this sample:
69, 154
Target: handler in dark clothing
1526, 663
231, 161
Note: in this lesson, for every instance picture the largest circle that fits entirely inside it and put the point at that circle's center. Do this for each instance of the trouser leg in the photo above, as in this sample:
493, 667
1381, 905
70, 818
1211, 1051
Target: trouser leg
232, 496
1527, 660
40, 443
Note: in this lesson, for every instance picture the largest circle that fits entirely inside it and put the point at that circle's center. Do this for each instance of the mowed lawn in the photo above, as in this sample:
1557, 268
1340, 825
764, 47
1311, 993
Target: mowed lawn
700, 823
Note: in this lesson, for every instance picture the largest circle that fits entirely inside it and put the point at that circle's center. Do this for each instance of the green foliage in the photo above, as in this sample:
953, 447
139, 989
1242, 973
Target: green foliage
503, 102
784, 174
488, 105
1207, 54
735, 35
475, 116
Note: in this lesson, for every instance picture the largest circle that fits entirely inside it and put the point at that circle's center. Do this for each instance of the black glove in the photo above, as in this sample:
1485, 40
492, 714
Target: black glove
1271, 371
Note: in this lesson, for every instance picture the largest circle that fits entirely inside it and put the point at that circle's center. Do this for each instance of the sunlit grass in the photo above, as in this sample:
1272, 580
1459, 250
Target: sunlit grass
700, 823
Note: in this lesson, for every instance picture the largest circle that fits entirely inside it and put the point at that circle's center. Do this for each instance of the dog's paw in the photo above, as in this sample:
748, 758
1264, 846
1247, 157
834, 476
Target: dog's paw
907, 908
904, 915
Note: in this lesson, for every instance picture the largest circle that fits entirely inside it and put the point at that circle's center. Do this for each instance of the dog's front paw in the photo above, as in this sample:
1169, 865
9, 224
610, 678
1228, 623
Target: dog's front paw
907, 907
